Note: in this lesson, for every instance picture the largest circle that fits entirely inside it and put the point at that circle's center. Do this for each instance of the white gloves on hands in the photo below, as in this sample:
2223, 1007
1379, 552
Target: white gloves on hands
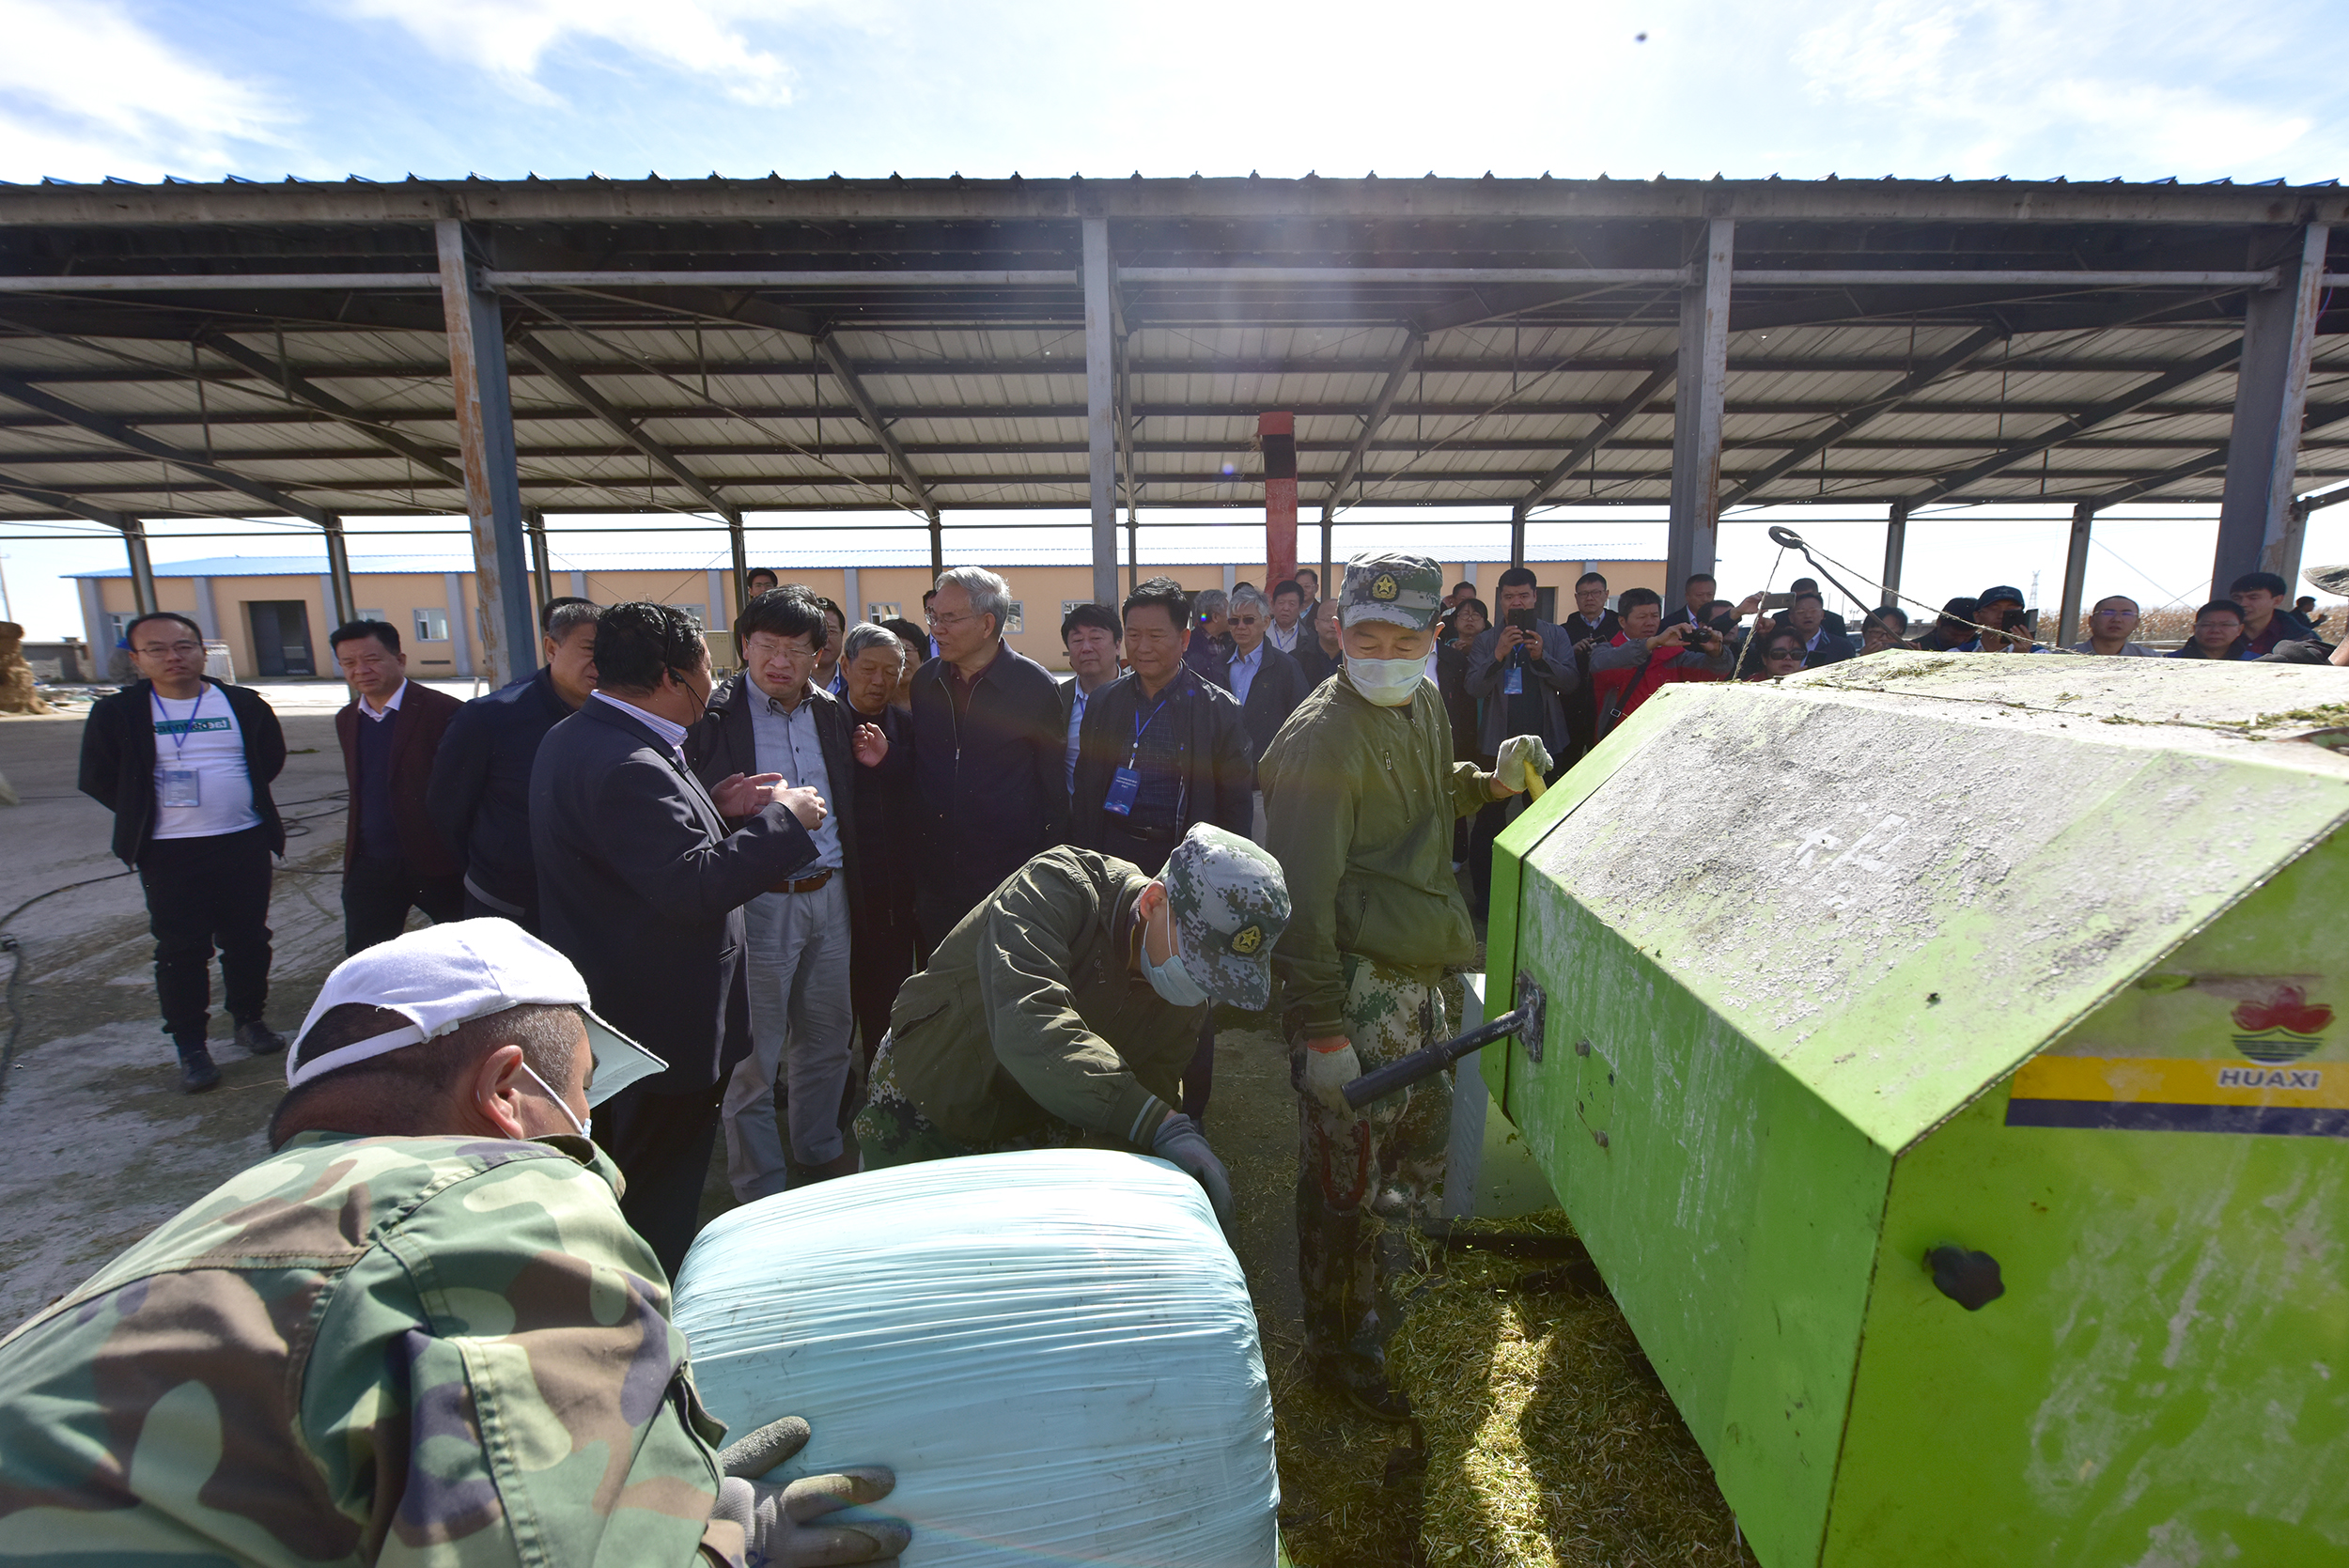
778, 1522
1328, 1073
1522, 757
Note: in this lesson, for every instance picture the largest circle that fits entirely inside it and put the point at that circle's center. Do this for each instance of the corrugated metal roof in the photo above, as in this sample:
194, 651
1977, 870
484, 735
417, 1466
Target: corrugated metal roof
330, 397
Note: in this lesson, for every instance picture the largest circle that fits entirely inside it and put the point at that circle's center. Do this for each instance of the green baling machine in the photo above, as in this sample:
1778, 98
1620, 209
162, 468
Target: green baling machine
1940, 1055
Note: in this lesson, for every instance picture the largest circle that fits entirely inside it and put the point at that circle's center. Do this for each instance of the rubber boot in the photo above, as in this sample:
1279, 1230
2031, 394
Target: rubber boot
196, 1071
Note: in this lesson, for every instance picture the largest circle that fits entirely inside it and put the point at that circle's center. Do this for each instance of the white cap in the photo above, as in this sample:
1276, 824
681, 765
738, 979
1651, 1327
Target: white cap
450, 974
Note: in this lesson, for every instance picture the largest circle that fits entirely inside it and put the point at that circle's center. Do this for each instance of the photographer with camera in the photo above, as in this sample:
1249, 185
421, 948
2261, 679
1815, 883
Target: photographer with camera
1646, 656
1520, 672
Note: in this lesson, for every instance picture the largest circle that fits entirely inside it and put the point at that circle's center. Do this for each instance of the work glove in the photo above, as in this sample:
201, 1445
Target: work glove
777, 1521
1329, 1071
1180, 1143
1523, 758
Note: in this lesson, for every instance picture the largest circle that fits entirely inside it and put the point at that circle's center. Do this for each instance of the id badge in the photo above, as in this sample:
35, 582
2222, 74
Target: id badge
182, 786
1124, 786
1512, 684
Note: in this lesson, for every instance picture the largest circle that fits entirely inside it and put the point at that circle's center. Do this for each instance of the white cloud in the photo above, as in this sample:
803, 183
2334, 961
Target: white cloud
511, 38
86, 92
1986, 82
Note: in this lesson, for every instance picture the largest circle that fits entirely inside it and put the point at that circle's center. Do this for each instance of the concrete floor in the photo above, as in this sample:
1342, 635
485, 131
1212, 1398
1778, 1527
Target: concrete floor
101, 1145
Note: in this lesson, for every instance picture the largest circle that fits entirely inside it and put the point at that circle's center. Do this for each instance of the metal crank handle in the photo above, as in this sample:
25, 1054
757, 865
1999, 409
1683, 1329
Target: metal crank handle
1525, 1021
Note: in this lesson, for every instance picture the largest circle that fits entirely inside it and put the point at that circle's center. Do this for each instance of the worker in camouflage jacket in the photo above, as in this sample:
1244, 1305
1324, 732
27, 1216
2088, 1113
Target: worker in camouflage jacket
1065, 1008
1361, 793
420, 1332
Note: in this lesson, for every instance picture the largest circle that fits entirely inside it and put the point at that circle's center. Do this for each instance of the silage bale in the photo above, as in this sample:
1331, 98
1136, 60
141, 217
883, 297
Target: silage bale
1055, 1350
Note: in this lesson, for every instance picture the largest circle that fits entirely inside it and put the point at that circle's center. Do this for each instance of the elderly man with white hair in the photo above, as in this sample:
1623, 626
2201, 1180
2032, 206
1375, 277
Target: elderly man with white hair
989, 752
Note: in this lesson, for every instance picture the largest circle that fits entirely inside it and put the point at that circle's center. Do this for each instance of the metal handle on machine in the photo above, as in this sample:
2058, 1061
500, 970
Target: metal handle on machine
1525, 1021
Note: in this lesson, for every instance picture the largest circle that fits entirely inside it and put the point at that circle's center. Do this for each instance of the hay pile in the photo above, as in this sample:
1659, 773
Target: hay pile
1551, 1443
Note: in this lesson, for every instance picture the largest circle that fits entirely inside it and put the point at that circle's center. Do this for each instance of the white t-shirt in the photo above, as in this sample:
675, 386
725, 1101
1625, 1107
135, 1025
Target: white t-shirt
200, 736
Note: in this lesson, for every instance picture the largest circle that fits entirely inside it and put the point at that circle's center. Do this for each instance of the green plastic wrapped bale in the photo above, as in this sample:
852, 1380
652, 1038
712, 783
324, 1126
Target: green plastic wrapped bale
1550, 1444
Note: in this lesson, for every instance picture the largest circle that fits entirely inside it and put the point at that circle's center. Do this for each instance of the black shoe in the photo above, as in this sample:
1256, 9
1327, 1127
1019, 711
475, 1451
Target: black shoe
258, 1039
197, 1072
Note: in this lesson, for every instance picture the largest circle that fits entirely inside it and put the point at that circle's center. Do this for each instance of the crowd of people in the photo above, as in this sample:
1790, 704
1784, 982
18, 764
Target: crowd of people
891, 892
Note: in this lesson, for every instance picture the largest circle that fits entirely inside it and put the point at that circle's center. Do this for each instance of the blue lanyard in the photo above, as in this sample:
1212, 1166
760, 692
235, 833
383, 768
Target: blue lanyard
179, 736
1140, 724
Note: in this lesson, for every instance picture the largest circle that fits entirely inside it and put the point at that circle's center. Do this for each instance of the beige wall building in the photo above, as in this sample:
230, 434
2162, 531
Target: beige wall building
275, 612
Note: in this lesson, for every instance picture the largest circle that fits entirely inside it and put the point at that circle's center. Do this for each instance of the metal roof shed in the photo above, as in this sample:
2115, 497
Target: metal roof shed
715, 345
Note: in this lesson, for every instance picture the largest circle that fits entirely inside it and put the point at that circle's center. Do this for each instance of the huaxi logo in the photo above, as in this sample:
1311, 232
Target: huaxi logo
2283, 1027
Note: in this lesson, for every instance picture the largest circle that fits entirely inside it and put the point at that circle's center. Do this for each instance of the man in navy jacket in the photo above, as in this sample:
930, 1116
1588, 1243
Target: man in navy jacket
989, 752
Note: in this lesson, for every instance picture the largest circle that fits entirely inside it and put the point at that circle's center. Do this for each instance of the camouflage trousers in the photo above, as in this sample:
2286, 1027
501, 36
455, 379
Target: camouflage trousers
892, 1130
1385, 1161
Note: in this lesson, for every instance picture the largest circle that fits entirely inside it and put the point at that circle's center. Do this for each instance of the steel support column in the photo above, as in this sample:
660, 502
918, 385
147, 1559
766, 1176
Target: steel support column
344, 598
2074, 573
541, 568
1276, 433
1516, 535
2271, 398
142, 569
740, 546
938, 544
1132, 480
1895, 549
1100, 408
1692, 539
485, 440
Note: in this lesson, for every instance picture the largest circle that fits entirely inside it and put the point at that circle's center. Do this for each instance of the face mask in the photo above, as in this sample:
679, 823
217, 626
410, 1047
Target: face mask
1171, 980
1388, 682
560, 1103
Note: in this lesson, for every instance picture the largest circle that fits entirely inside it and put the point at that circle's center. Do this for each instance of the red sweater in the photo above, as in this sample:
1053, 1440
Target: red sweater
1636, 686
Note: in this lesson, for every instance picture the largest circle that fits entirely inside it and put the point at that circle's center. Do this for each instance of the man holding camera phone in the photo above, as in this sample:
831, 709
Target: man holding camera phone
1521, 671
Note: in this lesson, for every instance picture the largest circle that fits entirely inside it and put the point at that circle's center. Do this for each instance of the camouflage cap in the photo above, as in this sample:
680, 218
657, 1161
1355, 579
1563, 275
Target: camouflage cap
1405, 589
1231, 905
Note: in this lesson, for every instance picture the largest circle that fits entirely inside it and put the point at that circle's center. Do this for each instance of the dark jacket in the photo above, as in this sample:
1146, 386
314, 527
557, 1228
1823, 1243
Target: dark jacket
1219, 775
1459, 704
1208, 659
1552, 674
993, 781
642, 887
479, 797
725, 743
886, 810
1317, 665
417, 729
1834, 647
1272, 696
118, 761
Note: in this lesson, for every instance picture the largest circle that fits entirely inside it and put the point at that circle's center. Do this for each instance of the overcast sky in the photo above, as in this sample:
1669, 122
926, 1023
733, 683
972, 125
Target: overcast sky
2030, 88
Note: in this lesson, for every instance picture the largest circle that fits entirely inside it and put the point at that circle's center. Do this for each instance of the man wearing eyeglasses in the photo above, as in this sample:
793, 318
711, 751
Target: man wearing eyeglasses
990, 753
184, 763
2110, 628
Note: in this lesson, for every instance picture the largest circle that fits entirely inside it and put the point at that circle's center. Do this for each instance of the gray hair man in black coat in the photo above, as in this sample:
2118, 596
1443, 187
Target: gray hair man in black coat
642, 886
989, 754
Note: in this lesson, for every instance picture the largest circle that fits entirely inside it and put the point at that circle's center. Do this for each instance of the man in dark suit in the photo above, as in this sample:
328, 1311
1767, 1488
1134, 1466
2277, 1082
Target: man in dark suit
885, 946
479, 797
642, 887
1091, 633
989, 752
1267, 681
394, 859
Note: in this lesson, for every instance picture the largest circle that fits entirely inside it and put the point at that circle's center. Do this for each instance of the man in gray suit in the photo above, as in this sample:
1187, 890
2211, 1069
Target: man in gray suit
642, 887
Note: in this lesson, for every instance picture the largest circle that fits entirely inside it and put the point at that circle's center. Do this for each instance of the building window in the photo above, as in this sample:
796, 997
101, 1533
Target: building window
119, 626
1015, 618
877, 610
432, 626
372, 615
696, 614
